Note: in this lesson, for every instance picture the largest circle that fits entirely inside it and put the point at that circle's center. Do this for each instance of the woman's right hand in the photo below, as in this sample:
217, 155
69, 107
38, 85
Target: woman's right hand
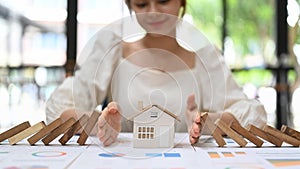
109, 124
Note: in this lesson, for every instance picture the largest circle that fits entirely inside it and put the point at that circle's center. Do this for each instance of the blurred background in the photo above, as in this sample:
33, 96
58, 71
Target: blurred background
40, 40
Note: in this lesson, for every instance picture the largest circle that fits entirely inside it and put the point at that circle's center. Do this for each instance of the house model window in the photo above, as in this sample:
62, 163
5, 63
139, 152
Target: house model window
146, 132
153, 127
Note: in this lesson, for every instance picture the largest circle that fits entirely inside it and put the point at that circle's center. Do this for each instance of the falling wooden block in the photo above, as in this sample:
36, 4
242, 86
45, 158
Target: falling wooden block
289, 131
215, 132
59, 130
218, 137
231, 133
282, 136
266, 136
25, 133
74, 129
245, 133
45, 131
88, 127
13, 131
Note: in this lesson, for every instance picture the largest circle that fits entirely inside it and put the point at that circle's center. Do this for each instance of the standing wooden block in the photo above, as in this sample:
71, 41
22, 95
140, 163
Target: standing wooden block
218, 137
289, 131
74, 129
88, 128
231, 133
266, 136
203, 119
13, 131
245, 133
25, 133
59, 130
282, 136
45, 131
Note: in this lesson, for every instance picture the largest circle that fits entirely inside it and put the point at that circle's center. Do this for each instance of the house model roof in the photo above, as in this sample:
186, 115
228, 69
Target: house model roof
159, 107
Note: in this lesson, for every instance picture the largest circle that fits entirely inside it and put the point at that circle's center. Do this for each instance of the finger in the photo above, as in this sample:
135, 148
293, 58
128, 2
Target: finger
101, 133
195, 130
113, 107
197, 118
109, 141
193, 140
102, 118
101, 122
104, 137
194, 134
114, 135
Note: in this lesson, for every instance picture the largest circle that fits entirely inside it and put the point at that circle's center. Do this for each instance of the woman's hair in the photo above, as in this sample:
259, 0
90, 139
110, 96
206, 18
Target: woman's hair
183, 4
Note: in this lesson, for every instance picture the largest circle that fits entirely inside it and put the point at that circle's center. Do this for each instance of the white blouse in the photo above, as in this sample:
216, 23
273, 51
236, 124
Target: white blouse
132, 83
104, 72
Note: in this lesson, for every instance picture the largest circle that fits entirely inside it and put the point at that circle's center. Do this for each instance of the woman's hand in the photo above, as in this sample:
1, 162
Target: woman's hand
109, 124
193, 119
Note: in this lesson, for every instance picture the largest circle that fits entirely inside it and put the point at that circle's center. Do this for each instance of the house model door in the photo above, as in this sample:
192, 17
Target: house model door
164, 136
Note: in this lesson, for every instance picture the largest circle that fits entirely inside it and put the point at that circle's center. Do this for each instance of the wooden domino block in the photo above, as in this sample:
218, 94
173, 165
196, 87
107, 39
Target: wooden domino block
74, 129
59, 130
25, 133
266, 136
284, 137
289, 131
88, 128
13, 131
215, 132
45, 131
245, 133
218, 137
231, 133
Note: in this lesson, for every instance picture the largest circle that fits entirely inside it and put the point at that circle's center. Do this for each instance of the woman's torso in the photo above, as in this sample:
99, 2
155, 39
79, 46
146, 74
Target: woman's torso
154, 76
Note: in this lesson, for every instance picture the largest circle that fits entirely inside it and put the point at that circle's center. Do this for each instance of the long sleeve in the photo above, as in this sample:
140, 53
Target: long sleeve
222, 94
88, 87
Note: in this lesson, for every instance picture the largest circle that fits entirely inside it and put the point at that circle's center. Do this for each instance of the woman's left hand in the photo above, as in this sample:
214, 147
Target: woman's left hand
193, 119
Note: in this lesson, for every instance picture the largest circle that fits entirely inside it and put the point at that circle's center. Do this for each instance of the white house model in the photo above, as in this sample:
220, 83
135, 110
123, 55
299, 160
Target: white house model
153, 127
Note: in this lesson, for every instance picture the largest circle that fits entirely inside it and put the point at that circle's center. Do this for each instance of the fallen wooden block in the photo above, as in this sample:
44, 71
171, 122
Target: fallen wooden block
282, 136
245, 133
59, 130
25, 133
231, 133
291, 132
74, 129
218, 137
44, 131
13, 131
88, 127
266, 136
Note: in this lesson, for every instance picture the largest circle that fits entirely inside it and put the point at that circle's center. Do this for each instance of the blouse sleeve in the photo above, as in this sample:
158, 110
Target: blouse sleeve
221, 93
88, 87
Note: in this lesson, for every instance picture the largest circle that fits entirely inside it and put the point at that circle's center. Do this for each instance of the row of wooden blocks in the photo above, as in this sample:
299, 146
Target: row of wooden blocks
239, 133
47, 133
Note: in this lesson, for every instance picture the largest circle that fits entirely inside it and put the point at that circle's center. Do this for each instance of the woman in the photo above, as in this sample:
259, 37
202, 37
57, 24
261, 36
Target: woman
155, 69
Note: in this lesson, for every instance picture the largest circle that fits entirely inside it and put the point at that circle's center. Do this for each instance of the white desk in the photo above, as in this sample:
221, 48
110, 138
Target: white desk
122, 155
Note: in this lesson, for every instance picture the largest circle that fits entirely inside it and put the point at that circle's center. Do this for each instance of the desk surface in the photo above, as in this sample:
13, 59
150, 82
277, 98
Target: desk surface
121, 154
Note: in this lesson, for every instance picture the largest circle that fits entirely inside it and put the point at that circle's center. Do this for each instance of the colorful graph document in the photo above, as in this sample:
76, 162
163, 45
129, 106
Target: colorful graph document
122, 154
